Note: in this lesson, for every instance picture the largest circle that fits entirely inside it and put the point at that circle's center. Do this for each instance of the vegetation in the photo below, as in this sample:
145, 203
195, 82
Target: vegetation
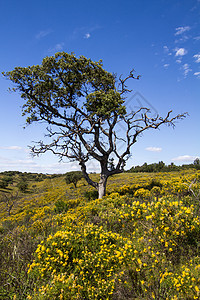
22, 186
73, 177
140, 241
9, 199
161, 167
83, 105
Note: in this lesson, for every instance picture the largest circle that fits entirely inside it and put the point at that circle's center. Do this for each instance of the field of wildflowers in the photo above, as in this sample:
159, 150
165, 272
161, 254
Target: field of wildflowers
140, 241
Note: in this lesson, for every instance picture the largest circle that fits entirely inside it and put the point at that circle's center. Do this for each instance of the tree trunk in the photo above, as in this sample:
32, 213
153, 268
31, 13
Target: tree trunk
102, 186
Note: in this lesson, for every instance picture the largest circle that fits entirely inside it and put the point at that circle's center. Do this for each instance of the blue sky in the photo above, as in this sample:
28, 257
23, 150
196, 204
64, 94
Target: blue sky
160, 39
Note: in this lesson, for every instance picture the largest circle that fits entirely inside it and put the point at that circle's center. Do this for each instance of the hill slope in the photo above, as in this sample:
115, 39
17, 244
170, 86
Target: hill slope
141, 241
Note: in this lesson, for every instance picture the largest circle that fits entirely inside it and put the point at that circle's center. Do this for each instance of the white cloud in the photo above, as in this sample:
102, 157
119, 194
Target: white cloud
87, 36
183, 39
197, 74
11, 148
182, 29
84, 31
17, 164
37, 165
42, 34
57, 47
197, 57
166, 49
179, 61
180, 51
197, 38
154, 149
186, 69
185, 158
166, 66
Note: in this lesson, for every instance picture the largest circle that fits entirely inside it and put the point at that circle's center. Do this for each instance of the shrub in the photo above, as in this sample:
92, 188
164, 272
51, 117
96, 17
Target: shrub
91, 195
64, 206
79, 263
153, 183
156, 191
142, 193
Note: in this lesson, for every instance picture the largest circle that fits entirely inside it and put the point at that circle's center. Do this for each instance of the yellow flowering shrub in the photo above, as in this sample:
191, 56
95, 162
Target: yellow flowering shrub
81, 262
141, 241
142, 193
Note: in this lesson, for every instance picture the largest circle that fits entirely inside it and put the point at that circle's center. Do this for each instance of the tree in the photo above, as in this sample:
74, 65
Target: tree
83, 105
197, 163
9, 200
3, 184
22, 186
73, 177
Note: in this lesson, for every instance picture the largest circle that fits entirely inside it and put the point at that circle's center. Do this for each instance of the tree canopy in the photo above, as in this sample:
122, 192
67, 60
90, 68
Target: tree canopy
82, 105
73, 177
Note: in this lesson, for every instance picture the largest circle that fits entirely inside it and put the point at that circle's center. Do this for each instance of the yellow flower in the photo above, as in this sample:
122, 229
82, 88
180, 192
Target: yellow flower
137, 270
196, 289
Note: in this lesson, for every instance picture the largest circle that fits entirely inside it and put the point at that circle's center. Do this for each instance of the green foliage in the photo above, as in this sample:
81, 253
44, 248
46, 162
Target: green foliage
91, 195
63, 206
103, 103
161, 167
3, 184
8, 179
16, 252
5, 181
63, 75
73, 177
22, 186
154, 183
197, 163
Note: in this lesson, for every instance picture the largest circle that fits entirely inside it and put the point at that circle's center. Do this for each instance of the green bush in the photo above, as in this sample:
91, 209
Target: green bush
91, 195
63, 206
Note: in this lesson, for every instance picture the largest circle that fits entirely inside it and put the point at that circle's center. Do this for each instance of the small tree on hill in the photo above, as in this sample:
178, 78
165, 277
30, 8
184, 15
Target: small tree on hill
3, 184
5, 181
9, 200
197, 163
83, 104
73, 177
22, 186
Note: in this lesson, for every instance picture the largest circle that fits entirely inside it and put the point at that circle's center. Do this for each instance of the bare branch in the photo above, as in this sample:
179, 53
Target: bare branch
122, 87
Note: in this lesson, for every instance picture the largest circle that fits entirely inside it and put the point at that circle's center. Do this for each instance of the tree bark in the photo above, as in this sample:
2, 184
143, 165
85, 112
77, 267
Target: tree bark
102, 186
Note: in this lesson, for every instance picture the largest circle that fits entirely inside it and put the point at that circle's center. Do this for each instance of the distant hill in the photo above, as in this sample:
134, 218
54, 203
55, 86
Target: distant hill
161, 167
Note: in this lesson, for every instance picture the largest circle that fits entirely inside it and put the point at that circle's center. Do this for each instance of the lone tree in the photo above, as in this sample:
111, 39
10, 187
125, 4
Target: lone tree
73, 177
82, 105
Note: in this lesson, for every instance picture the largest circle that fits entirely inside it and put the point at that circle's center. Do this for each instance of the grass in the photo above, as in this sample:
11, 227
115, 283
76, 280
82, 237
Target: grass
140, 241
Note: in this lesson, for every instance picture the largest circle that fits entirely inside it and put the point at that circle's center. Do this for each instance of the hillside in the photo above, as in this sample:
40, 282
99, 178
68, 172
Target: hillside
140, 241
